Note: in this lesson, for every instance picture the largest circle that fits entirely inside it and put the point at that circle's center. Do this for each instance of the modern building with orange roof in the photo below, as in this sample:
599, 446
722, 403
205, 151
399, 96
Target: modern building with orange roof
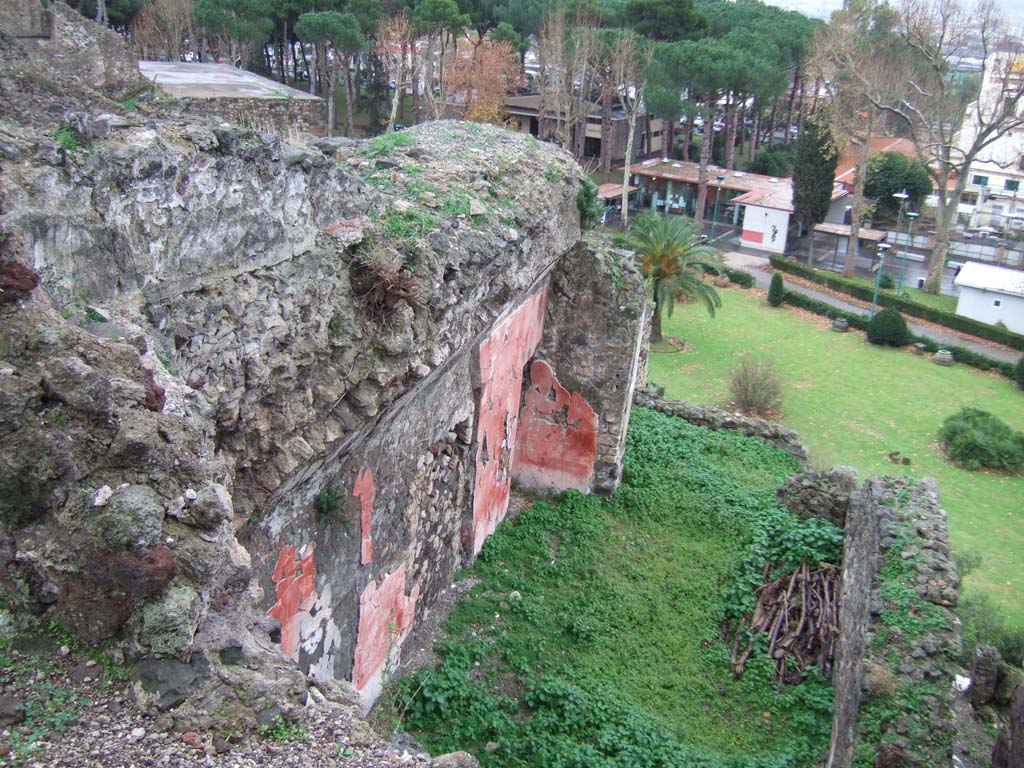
846, 170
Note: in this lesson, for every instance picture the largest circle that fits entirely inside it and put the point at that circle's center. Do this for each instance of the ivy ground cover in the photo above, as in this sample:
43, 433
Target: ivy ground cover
593, 636
853, 404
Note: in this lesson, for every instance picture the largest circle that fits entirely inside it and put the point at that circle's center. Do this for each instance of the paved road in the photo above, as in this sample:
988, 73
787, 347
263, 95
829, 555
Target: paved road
761, 269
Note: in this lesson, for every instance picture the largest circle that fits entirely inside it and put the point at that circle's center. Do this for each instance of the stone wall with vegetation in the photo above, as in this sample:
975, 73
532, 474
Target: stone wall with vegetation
771, 432
593, 336
317, 350
909, 650
284, 116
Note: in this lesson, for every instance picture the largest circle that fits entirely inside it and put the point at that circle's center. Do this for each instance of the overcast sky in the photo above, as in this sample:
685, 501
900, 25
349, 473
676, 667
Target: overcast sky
1012, 9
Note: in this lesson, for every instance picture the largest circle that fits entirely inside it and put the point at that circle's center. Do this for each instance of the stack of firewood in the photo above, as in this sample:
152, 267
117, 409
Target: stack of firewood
799, 614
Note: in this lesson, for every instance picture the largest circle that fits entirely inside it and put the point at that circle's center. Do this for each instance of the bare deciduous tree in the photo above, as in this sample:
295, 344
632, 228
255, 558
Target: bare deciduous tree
568, 77
951, 126
393, 39
481, 79
162, 26
630, 59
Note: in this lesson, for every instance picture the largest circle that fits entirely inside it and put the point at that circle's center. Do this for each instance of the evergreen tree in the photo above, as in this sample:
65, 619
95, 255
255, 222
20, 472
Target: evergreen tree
776, 291
890, 172
814, 174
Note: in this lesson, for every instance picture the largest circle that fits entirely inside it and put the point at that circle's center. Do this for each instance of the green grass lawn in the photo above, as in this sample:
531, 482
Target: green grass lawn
592, 635
853, 403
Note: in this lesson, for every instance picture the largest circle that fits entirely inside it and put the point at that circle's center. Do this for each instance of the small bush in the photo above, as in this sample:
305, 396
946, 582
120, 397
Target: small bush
589, 205
1018, 372
756, 387
984, 625
888, 327
740, 277
885, 282
327, 502
975, 439
776, 291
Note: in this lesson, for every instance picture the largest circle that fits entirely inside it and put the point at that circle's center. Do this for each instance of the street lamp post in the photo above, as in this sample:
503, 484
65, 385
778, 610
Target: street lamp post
883, 247
902, 196
911, 218
718, 195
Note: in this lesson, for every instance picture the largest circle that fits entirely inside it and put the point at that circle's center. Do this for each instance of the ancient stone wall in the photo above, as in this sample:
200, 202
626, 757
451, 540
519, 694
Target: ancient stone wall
904, 659
287, 117
860, 563
214, 338
72, 49
28, 18
771, 432
594, 339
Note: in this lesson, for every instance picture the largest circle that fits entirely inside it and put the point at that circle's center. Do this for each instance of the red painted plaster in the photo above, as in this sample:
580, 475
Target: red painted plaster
556, 444
385, 618
295, 581
365, 492
502, 357
752, 237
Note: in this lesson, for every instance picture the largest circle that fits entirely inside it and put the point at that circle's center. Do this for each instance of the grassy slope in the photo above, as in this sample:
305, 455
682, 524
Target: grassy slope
853, 403
622, 598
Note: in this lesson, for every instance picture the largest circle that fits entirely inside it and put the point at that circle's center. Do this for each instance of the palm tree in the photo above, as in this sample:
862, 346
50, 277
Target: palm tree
674, 261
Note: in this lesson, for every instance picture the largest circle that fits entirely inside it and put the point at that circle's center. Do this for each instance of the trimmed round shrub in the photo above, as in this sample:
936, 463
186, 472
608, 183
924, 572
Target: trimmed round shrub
888, 327
976, 439
776, 291
740, 277
885, 282
756, 387
1018, 372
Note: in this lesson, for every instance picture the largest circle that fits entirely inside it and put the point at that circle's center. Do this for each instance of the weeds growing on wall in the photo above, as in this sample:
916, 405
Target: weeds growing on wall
593, 636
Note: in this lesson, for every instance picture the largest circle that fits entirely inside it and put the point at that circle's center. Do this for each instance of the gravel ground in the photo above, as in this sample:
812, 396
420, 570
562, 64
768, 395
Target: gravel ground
61, 709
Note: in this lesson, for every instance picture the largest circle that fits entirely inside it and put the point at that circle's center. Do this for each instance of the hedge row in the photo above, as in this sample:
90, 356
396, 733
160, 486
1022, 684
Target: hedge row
904, 305
740, 277
960, 354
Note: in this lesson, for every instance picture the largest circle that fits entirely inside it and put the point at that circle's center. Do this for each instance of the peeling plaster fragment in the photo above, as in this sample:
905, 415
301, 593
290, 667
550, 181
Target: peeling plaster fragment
502, 357
321, 638
365, 492
385, 617
295, 580
556, 444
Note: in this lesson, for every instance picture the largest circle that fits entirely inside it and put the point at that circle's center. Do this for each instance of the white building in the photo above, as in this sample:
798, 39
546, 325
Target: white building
995, 182
991, 295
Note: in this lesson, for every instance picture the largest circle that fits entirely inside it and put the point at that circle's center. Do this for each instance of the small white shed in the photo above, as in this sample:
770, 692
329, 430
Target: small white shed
991, 294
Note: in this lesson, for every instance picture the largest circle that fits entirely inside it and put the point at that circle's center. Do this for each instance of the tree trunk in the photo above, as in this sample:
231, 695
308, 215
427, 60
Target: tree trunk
730, 132
810, 246
279, 50
755, 136
629, 159
792, 99
802, 111
945, 215
428, 76
853, 247
687, 140
606, 135
666, 138
330, 110
656, 319
399, 89
771, 123
101, 12
346, 77
402, 69
705, 160
311, 66
741, 127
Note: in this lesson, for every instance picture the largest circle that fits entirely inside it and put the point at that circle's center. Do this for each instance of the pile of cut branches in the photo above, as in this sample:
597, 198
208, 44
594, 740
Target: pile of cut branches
799, 614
